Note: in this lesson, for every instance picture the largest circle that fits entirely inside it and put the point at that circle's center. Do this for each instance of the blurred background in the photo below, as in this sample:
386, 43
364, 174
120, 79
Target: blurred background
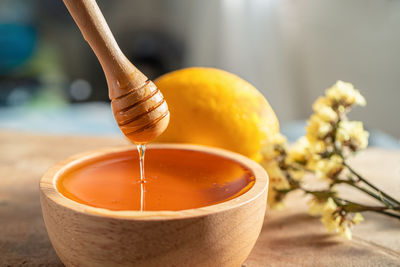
51, 82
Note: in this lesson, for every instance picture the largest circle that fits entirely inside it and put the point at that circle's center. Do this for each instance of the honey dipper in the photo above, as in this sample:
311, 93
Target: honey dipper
138, 106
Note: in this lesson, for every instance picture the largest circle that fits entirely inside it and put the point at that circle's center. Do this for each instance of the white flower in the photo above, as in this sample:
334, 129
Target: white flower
317, 128
346, 94
277, 180
327, 114
345, 229
328, 217
323, 108
352, 132
318, 147
357, 218
268, 151
328, 167
321, 102
300, 151
338, 221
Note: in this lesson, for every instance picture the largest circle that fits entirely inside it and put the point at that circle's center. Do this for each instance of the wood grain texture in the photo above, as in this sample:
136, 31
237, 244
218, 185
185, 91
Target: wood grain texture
138, 106
288, 238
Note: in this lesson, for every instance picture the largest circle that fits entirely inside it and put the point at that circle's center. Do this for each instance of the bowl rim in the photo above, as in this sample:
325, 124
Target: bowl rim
48, 187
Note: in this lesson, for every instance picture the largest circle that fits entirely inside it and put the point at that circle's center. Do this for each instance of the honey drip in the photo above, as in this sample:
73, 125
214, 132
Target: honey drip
142, 151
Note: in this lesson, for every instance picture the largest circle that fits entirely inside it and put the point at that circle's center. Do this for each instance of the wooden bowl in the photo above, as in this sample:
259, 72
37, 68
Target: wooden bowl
217, 235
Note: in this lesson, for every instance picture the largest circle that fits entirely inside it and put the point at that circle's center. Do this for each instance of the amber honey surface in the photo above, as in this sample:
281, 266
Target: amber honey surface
175, 180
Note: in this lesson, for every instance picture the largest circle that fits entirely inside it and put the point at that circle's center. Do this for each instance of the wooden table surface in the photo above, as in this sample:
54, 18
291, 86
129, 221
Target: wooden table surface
288, 238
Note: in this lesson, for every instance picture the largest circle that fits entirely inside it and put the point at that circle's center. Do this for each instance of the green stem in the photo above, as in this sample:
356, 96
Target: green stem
353, 206
365, 190
363, 208
360, 178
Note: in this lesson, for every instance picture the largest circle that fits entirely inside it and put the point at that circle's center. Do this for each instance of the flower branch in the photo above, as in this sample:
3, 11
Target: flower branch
330, 140
360, 178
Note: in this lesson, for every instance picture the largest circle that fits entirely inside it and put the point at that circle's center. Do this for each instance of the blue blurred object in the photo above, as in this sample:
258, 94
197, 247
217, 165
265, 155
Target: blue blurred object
94, 118
17, 44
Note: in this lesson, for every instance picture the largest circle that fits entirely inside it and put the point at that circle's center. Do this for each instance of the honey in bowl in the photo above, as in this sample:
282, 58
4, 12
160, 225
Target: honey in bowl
175, 179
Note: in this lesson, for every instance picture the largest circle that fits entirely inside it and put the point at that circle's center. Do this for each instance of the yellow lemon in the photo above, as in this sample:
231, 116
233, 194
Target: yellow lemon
216, 108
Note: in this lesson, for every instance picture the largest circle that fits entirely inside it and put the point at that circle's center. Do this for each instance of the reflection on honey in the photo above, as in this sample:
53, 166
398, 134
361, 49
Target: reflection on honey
175, 180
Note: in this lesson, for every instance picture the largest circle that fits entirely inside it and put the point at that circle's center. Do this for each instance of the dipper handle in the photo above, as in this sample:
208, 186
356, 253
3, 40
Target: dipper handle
138, 106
